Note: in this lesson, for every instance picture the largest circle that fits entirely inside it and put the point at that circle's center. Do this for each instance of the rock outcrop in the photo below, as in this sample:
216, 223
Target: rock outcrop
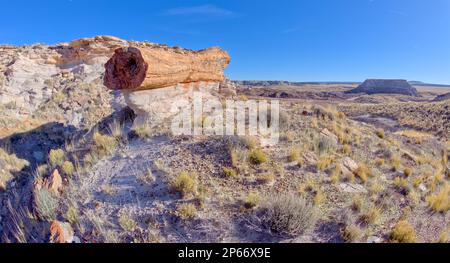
442, 97
386, 86
61, 232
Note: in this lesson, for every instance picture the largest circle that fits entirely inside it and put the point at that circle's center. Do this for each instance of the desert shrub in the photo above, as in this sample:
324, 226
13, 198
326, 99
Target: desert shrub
229, 172
294, 154
104, 144
403, 232
325, 145
56, 157
116, 129
440, 202
380, 133
127, 223
252, 200
45, 204
351, 233
257, 156
187, 211
185, 183
288, 214
68, 168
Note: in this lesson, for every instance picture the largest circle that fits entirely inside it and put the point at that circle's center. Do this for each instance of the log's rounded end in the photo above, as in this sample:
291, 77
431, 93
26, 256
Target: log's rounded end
125, 70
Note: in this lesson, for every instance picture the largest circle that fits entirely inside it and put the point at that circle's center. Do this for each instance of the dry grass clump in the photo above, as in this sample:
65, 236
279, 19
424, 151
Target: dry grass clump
229, 172
257, 156
288, 214
9, 163
116, 129
294, 154
371, 215
336, 174
403, 232
401, 184
325, 145
252, 200
142, 129
324, 162
185, 183
440, 202
187, 211
351, 233
68, 168
407, 172
346, 149
380, 133
363, 172
56, 157
72, 214
395, 162
104, 144
127, 223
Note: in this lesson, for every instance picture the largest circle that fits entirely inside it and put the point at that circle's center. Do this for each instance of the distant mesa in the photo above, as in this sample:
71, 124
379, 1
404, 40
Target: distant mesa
386, 86
442, 97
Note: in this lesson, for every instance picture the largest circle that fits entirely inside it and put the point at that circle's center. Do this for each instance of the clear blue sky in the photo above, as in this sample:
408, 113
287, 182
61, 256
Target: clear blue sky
316, 40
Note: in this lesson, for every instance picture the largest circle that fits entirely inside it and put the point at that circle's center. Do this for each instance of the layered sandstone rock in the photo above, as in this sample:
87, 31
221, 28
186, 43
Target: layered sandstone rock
159, 66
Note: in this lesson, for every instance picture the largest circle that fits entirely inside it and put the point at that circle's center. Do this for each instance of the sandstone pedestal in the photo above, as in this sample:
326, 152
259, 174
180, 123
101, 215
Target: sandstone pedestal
155, 106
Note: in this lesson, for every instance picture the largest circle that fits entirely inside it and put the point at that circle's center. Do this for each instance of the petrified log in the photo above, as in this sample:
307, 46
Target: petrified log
133, 68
